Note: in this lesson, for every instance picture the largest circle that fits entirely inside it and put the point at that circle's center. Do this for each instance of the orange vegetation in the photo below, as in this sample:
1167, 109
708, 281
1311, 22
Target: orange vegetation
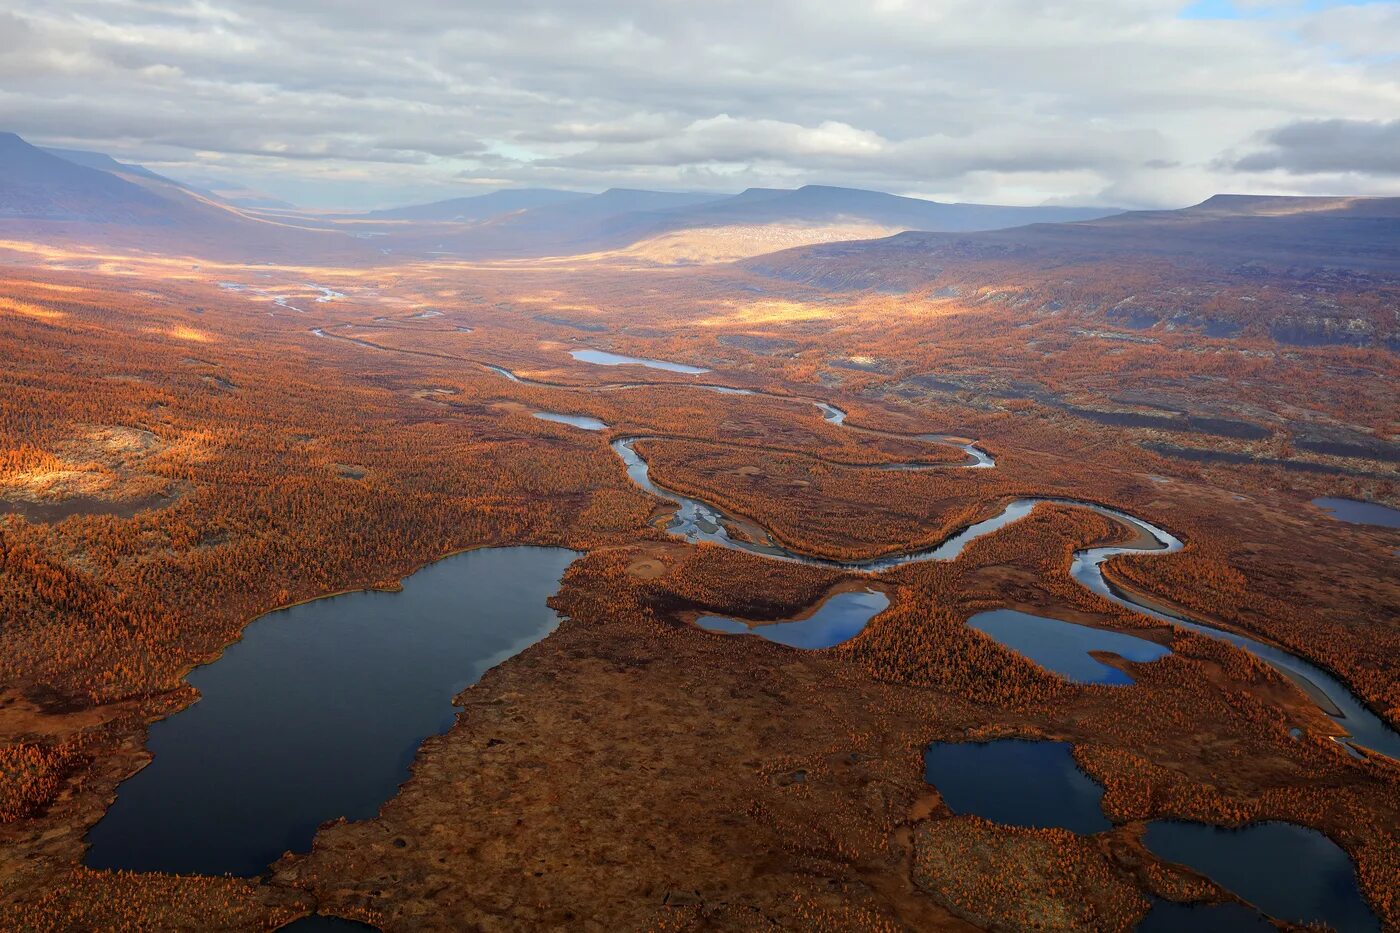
176, 458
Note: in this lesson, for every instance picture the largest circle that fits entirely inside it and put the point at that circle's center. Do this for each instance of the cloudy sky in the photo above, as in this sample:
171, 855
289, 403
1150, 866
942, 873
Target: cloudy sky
363, 103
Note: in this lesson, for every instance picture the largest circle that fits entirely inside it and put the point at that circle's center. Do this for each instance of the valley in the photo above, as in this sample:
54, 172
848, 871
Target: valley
733, 539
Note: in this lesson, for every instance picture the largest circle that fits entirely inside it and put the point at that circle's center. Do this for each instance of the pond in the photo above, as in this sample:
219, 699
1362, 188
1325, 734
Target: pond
577, 421
1290, 872
1017, 782
604, 358
840, 617
1356, 512
1063, 647
318, 712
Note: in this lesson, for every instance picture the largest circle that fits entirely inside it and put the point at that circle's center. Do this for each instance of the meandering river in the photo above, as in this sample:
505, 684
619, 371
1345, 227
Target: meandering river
162, 818
697, 520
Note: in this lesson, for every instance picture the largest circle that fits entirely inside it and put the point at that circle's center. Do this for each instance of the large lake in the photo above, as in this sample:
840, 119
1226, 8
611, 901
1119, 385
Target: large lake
318, 712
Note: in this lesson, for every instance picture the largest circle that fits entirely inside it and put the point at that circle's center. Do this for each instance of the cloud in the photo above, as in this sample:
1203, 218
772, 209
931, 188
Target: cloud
1081, 100
1313, 147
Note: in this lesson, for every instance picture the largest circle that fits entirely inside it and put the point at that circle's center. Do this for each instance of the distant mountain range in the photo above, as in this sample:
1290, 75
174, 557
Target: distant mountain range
78, 186
821, 204
76, 195
478, 207
1225, 231
571, 223
1301, 270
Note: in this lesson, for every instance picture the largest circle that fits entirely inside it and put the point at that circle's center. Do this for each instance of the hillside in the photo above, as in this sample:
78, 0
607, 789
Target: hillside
1306, 270
36, 184
87, 199
105, 163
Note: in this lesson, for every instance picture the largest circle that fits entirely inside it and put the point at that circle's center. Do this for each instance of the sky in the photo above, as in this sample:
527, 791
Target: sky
368, 103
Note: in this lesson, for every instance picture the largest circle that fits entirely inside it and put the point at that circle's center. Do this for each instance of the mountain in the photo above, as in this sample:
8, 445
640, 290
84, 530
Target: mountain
1223, 231
1220, 266
57, 199
105, 163
478, 207
35, 184
613, 209
824, 204
235, 196
613, 218
619, 218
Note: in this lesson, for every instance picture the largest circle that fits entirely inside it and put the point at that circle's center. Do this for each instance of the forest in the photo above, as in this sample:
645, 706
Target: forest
179, 456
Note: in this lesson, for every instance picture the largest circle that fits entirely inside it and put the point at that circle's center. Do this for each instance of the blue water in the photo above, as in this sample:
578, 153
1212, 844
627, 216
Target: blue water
1063, 647
697, 520
1289, 872
840, 618
1359, 513
577, 421
1016, 782
318, 712
604, 358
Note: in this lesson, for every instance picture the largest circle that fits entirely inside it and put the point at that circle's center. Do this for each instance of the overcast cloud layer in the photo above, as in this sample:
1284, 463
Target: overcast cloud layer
366, 103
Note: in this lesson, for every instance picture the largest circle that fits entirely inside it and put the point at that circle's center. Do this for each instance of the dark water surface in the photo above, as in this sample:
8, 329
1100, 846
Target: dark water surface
1063, 647
698, 520
1356, 512
840, 618
1016, 782
1290, 872
318, 712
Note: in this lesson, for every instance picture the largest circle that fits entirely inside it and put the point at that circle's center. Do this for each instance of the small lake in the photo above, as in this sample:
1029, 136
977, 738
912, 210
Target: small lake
1290, 872
318, 712
577, 421
839, 618
1017, 782
604, 358
1063, 647
1356, 512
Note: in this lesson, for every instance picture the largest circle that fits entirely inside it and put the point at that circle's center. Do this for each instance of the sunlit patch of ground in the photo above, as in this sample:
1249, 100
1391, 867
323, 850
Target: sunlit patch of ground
740, 241
769, 311
26, 309
188, 333
104, 462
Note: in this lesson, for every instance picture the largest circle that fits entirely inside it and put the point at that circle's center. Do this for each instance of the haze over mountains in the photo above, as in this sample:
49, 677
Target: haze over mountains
570, 223
68, 187
74, 196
